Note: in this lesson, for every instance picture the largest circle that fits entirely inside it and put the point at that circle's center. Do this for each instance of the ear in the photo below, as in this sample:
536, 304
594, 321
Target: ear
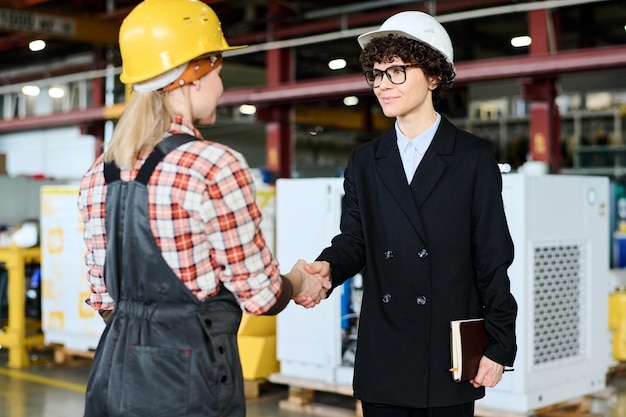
433, 82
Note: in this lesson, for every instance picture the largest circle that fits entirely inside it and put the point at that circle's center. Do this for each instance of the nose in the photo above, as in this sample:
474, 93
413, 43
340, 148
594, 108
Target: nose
385, 82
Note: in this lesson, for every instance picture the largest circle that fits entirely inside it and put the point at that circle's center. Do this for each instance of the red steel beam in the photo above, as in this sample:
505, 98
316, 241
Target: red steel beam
492, 69
543, 64
53, 120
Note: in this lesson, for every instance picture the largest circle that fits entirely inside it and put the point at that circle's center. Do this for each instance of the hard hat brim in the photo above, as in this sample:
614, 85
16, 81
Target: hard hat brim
367, 37
232, 48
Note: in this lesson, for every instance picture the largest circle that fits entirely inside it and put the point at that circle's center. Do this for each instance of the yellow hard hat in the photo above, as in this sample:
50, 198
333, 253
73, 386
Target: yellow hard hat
160, 35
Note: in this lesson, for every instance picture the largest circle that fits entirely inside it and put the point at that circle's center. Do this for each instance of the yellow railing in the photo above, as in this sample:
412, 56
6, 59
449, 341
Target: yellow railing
15, 336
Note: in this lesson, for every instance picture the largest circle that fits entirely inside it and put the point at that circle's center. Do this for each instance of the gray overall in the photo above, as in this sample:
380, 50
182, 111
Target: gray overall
163, 352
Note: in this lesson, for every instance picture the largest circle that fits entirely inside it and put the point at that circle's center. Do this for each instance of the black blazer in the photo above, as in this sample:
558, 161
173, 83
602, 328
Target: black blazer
431, 252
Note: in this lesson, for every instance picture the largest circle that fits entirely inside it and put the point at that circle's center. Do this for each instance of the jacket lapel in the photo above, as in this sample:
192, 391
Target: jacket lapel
391, 172
434, 162
430, 170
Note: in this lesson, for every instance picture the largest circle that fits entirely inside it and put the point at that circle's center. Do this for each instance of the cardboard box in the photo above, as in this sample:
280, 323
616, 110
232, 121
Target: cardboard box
3, 164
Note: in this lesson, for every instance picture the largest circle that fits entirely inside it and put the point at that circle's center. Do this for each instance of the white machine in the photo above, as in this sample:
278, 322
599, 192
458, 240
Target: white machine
309, 341
560, 278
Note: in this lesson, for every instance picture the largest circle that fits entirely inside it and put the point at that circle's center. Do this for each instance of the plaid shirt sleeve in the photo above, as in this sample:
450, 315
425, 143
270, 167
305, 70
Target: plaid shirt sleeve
91, 206
240, 256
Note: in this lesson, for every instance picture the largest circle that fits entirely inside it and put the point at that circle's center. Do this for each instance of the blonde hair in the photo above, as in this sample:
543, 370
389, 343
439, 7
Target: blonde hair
141, 127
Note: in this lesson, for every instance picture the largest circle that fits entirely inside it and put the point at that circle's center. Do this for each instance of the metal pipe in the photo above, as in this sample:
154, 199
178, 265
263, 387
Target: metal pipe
333, 11
451, 17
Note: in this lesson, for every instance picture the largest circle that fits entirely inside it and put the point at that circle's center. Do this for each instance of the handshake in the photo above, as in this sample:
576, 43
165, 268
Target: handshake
311, 282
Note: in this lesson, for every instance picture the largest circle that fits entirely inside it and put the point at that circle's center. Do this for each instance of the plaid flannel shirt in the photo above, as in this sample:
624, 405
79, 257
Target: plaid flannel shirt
204, 218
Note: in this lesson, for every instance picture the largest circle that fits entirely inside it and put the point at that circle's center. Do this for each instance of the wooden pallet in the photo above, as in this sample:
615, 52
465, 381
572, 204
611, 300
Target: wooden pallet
66, 356
617, 371
254, 387
578, 407
302, 397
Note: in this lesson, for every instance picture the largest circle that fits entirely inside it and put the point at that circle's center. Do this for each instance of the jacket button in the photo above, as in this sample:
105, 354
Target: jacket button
422, 253
421, 300
388, 254
386, 298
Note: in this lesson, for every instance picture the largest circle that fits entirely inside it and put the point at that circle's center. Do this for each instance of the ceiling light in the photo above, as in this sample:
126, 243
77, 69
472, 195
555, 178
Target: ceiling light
521, 41
37, 45
317, 129
56, 92
248, 109
351, 101
337, 64
30, 90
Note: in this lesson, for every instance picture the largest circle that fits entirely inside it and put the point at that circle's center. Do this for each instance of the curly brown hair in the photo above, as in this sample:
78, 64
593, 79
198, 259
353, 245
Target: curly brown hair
432, 62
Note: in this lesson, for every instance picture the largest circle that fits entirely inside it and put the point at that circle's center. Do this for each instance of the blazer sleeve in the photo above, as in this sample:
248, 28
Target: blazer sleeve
346, 254
493, 254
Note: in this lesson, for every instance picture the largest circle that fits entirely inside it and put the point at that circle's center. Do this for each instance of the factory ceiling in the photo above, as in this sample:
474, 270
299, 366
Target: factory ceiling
319, 30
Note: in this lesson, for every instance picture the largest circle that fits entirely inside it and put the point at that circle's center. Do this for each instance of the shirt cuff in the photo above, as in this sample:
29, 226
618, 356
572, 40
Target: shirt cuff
283, 299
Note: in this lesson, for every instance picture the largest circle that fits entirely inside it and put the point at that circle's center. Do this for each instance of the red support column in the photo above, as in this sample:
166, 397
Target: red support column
278, 141
541, 94
279, 131
96, 128
545, 122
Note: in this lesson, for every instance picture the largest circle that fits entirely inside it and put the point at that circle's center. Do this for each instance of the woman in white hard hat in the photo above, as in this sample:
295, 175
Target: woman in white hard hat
424, 220
174, 249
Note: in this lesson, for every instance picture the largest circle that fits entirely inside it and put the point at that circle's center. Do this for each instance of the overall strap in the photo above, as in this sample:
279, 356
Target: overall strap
163, 148
172, 142
112, 171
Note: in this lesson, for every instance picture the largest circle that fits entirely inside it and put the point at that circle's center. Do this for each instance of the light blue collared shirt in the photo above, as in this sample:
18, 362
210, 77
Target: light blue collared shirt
412, 150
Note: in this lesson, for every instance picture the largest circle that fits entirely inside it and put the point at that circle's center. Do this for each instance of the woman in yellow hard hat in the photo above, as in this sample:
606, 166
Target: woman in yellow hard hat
174, 248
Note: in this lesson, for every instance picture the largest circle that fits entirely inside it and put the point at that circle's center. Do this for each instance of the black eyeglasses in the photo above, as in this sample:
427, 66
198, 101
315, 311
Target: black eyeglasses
396, 74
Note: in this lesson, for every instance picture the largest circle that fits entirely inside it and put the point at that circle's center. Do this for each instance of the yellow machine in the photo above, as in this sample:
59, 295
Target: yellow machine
617, 322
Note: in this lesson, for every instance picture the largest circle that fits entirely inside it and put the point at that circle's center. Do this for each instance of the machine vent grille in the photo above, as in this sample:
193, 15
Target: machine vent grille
559, 274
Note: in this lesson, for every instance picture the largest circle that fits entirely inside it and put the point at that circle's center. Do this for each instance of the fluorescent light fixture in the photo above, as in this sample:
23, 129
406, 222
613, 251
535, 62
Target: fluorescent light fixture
248, 109
37, 45
56, 92
351, 101
521, 41
337, 64
30, 90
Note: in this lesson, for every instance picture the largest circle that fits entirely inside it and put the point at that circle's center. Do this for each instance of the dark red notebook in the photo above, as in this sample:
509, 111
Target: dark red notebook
468, 342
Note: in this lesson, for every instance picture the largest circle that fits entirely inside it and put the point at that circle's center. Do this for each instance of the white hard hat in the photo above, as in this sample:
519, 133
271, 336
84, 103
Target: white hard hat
414, 25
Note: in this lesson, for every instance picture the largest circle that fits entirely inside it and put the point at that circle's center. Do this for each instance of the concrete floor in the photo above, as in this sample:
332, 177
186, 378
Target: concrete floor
49, 390
44, 391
